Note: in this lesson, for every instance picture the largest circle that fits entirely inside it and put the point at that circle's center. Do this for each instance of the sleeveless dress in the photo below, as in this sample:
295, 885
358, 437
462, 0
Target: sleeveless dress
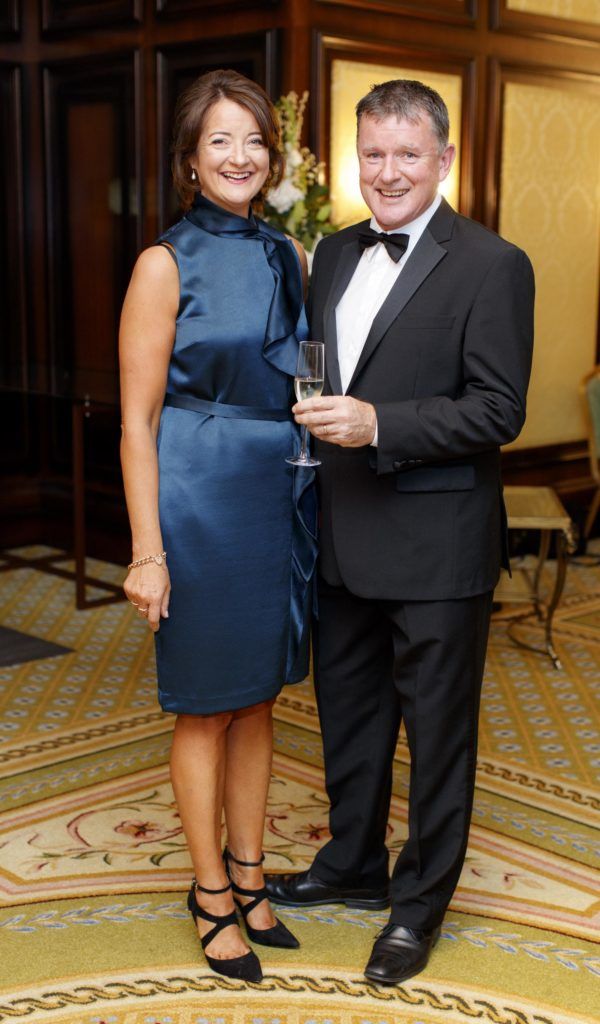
238, 522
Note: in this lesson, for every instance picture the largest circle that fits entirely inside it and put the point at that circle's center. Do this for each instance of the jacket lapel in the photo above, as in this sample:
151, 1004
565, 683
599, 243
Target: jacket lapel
347, 264
425, 256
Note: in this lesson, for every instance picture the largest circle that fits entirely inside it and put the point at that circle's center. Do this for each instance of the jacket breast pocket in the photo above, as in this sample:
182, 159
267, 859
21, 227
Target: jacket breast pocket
428, 323
436, 478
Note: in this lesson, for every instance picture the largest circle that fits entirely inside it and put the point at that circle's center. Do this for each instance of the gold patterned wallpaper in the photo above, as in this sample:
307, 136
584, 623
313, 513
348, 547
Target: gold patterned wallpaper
550, 206
350, 80
572, 10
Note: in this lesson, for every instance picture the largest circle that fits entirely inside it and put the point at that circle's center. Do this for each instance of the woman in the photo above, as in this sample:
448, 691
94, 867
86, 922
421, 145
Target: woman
209, 339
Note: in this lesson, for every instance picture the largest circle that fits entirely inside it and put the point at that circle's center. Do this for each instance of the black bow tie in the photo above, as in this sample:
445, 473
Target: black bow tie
395, 244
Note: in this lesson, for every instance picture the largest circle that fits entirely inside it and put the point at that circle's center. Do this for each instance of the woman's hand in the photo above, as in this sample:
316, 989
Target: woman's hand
148, 588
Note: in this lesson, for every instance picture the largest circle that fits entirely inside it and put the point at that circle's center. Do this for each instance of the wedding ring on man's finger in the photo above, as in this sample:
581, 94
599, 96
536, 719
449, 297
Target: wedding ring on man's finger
135, 605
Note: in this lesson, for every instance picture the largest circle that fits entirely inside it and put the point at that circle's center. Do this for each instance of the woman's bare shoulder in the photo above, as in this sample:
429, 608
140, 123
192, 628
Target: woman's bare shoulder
156, 265
155, 276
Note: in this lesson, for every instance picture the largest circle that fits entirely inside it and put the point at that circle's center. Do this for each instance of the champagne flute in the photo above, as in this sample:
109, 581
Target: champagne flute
308, 383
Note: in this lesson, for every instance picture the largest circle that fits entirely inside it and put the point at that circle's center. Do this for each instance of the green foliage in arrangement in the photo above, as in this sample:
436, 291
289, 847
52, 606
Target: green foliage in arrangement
300, 204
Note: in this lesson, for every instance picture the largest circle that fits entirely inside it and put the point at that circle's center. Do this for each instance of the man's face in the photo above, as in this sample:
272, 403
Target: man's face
401, 167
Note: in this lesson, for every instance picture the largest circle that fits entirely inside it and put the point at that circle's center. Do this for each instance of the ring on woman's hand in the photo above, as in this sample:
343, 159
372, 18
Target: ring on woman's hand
325, 428
142, 610
135, 605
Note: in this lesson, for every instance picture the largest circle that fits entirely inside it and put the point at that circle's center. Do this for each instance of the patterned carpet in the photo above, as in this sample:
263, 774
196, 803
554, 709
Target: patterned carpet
93, 866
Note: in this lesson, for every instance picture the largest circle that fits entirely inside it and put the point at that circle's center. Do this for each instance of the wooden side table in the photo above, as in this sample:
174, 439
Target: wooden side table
537, 508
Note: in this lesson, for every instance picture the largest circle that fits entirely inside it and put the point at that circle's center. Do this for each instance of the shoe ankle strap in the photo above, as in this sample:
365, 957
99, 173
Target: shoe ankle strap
210, 892
243, 863
256, 896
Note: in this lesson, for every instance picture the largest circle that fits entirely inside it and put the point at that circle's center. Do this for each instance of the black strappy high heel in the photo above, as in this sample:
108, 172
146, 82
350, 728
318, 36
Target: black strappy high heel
246, 967
277, 934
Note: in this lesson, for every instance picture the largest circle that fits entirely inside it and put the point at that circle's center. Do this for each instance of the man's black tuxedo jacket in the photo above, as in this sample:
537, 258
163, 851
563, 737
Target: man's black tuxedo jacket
446, 365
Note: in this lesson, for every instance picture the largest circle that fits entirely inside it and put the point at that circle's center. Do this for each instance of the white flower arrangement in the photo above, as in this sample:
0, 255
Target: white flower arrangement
300, 204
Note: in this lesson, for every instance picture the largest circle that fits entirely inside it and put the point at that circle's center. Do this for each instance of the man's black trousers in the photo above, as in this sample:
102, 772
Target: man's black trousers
377, 663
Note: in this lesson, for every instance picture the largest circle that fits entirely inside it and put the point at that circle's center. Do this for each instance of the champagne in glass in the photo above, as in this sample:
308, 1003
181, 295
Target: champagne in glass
308, 383
306, 387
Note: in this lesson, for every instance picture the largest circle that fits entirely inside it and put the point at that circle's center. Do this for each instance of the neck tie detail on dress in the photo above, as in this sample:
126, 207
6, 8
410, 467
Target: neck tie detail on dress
395, 244
280, 345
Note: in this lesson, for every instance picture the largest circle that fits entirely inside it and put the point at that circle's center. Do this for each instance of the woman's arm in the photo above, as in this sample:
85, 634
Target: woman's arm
145, 344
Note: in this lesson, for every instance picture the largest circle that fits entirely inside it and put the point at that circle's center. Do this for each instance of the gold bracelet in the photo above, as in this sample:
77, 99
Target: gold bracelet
158, 559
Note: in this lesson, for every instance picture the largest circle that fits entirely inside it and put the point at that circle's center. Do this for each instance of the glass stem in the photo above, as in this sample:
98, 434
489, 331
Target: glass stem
304, 442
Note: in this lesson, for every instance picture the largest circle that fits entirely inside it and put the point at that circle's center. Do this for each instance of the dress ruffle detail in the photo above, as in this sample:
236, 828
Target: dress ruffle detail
304, 558
280, 346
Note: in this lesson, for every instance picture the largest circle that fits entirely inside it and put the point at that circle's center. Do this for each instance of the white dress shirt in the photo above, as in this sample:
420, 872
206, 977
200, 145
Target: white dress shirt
369, 286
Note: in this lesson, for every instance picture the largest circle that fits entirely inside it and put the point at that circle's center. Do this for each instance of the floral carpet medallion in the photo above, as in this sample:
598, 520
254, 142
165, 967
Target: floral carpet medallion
93, 864
129, 835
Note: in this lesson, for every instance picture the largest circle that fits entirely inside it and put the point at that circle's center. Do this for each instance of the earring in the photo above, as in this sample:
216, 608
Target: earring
194, 175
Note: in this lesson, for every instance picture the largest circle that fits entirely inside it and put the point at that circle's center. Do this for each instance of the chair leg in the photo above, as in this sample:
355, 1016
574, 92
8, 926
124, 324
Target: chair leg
592, 514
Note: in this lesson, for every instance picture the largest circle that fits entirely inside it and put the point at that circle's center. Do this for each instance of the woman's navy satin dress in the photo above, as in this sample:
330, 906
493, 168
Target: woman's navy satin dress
238, 522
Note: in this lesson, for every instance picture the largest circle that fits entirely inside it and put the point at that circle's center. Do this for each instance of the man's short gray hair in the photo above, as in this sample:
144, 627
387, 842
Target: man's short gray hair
409, 99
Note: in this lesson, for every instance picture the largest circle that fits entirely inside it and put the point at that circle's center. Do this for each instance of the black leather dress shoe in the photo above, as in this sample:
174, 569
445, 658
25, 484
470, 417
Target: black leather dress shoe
303, 889
399, 953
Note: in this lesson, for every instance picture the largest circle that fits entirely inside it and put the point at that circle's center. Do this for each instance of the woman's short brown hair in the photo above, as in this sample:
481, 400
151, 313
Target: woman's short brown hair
190, 113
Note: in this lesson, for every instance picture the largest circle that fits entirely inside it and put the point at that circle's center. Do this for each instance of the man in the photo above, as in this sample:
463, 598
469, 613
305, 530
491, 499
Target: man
428, 339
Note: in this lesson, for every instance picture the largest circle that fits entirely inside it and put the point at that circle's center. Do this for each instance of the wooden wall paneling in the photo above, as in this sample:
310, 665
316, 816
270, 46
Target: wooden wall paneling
94, 139
458, 12
13, 351
254, 55
9, 19
499, 74
94, 199
506, 18
472, 76
547, 175
563, 466
19, 458
139, 186
175, 7
329, 48
93, 144
492, 145
148, 50
71, 15
295, 55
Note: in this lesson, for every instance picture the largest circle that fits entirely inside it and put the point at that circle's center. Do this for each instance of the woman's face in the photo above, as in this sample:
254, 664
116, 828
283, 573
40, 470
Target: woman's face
231, 159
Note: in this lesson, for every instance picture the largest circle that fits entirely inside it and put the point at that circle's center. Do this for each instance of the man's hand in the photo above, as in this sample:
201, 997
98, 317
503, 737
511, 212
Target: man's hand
338, 419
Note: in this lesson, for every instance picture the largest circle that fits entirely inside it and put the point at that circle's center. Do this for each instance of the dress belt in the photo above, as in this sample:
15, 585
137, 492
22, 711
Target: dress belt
237, 412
